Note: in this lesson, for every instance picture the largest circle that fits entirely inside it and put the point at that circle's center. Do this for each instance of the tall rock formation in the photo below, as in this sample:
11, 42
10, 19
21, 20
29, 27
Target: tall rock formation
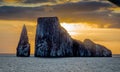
52, 40
23, 49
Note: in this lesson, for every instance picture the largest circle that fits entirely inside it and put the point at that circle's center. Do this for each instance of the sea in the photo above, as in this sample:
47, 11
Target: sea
11, 63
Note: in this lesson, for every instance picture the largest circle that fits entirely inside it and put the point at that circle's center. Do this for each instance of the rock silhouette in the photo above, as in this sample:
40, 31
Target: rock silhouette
96, 49
23, 49
52, 40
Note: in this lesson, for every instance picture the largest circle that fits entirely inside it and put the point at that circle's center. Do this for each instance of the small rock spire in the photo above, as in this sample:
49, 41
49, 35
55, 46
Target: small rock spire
23, 48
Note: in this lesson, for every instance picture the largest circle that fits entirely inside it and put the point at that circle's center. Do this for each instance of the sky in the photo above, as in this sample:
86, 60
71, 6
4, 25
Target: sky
98, 20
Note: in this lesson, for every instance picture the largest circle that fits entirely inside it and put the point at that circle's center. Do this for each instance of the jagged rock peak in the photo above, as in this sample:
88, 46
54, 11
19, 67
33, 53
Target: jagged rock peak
88, 41
24, 33
23, 48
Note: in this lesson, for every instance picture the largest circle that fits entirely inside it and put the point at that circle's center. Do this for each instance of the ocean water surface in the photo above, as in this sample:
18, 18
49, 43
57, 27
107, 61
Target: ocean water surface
11, 63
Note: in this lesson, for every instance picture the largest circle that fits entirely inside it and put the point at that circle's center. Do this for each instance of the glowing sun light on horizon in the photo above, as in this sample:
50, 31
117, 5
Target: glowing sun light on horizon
73, 28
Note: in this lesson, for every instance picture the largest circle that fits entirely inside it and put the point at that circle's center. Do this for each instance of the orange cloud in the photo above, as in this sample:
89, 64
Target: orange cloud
12, 1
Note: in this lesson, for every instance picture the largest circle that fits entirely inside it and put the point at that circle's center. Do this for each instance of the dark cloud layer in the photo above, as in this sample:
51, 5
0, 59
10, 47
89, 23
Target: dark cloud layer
38, 1
85, 11
116, 2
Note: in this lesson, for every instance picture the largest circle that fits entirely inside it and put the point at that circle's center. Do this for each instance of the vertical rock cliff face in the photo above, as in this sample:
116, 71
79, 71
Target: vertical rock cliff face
51, 39
23, 49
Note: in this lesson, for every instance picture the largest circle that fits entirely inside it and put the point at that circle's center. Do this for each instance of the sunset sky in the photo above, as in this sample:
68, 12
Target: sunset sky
98, 20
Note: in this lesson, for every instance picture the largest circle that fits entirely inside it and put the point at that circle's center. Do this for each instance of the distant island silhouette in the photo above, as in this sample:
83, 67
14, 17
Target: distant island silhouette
52, 40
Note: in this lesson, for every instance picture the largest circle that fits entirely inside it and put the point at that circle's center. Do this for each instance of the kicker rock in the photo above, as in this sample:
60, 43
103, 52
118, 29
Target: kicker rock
52, 40
97, 50
23, 49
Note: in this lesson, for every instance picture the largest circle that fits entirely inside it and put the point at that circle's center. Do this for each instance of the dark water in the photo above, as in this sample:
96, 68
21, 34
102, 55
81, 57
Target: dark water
11, 63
